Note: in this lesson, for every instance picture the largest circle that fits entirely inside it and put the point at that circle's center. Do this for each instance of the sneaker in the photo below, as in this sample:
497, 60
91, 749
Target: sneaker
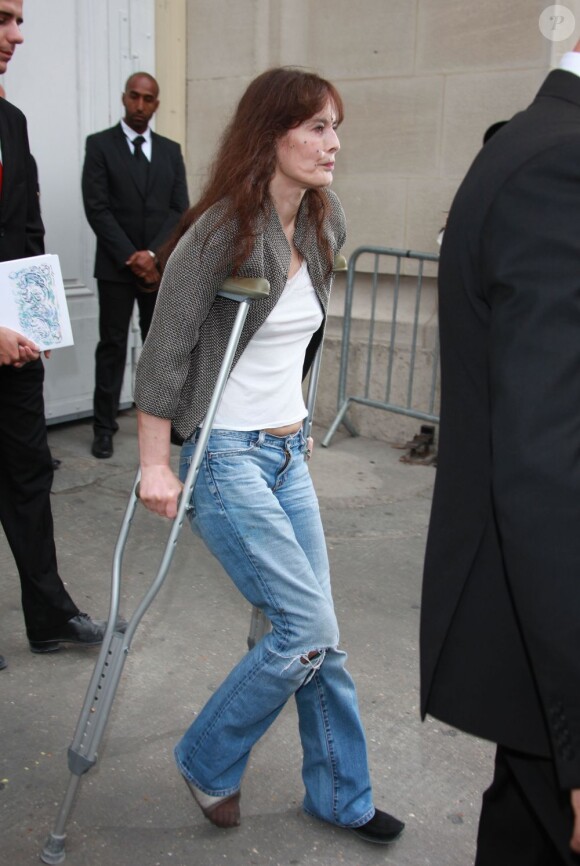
381, 829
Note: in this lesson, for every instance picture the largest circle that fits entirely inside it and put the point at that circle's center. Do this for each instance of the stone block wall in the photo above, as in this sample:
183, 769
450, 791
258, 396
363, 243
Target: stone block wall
421, 79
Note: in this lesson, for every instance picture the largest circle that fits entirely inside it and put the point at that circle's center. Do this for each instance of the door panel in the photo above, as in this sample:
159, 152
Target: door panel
68, 77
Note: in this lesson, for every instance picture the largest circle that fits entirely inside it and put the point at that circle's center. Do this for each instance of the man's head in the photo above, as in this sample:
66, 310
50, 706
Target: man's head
491, 130
141, 99
10, 35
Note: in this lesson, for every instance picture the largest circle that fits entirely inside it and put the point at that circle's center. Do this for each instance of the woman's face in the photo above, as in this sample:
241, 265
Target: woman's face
306, 154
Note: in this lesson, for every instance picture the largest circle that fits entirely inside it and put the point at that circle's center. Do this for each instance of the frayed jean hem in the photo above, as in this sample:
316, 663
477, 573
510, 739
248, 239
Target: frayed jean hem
224, 792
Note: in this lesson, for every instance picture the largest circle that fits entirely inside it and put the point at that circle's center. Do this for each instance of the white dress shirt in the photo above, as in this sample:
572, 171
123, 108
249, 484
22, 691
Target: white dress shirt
570, 62
131, 135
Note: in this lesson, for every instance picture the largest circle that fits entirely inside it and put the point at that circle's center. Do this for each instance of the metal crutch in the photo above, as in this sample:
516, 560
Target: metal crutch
259, 623
82, 753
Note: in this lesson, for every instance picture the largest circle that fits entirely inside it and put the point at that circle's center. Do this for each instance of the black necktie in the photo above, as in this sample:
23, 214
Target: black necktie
141, 161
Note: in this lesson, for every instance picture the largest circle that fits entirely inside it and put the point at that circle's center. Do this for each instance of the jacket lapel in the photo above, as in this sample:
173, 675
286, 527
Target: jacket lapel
8, 158
156, 162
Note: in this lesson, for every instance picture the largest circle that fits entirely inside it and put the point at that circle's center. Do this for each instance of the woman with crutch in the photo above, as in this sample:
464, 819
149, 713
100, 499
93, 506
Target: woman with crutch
266, 211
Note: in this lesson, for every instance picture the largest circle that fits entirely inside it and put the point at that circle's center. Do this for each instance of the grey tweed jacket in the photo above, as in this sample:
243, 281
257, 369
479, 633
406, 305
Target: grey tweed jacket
180, 361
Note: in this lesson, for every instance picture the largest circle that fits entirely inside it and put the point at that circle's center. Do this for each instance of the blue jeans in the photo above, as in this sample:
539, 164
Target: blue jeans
255, 507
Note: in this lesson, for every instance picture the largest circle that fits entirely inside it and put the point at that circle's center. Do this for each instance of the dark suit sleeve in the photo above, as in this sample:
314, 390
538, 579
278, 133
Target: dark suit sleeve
98, 207
179, 198
34, 225
531, 246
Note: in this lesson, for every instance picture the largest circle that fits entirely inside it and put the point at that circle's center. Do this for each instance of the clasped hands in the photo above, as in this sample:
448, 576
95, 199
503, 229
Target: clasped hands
144, 266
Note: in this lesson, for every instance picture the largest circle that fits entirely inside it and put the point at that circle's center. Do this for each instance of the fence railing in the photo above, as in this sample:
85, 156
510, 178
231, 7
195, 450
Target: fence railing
397, 325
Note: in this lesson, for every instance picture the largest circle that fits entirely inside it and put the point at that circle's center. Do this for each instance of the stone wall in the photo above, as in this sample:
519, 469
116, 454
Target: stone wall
421, 79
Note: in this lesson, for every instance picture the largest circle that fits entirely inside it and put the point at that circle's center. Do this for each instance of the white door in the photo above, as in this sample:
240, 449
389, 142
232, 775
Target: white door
68, 77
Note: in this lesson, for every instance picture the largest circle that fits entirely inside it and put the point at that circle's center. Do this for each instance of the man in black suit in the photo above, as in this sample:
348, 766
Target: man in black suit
134, 192
500, 631
26, 470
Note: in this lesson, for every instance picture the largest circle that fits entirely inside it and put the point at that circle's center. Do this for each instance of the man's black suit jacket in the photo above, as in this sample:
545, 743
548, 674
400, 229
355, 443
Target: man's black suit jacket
21, 228
123, 216
500, 630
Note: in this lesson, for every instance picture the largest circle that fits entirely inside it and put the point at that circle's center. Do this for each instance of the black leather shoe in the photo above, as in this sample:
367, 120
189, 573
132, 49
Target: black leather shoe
80, 630
102, 446
381, 829
3, 663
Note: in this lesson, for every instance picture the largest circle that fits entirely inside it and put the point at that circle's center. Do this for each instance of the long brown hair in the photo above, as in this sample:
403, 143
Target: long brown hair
276, 101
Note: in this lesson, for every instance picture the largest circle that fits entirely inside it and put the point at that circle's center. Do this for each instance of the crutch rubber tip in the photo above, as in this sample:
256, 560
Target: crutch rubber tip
53, 851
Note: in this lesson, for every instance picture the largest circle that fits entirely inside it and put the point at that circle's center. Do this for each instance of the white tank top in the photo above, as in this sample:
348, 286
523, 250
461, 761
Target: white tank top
265, 387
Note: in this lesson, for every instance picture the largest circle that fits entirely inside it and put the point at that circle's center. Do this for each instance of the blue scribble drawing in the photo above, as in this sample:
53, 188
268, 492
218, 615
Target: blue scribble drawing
35, 298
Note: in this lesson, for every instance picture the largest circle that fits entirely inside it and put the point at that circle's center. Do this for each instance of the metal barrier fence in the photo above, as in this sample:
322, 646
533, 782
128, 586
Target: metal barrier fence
388, 334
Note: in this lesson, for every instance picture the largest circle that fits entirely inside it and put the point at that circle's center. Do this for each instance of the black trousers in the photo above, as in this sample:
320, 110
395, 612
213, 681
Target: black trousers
25, 511
526, 819
116, 302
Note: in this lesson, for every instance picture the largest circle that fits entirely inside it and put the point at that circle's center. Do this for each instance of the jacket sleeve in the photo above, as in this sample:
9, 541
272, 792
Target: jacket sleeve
192, 278
179, 201
34, 226
532, 250
97, 204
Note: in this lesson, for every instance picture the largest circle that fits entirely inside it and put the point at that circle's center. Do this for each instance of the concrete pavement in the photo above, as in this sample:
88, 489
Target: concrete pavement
133, 808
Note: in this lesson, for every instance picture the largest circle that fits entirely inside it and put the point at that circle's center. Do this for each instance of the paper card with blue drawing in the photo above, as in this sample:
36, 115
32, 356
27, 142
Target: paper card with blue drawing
33, 301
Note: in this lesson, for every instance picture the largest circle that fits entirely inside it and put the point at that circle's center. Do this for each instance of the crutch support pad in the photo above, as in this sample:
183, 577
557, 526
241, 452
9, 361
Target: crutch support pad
248, 287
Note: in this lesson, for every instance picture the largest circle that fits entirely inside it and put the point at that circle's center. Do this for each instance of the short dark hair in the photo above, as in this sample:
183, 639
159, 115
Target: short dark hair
491, 131
141, 75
